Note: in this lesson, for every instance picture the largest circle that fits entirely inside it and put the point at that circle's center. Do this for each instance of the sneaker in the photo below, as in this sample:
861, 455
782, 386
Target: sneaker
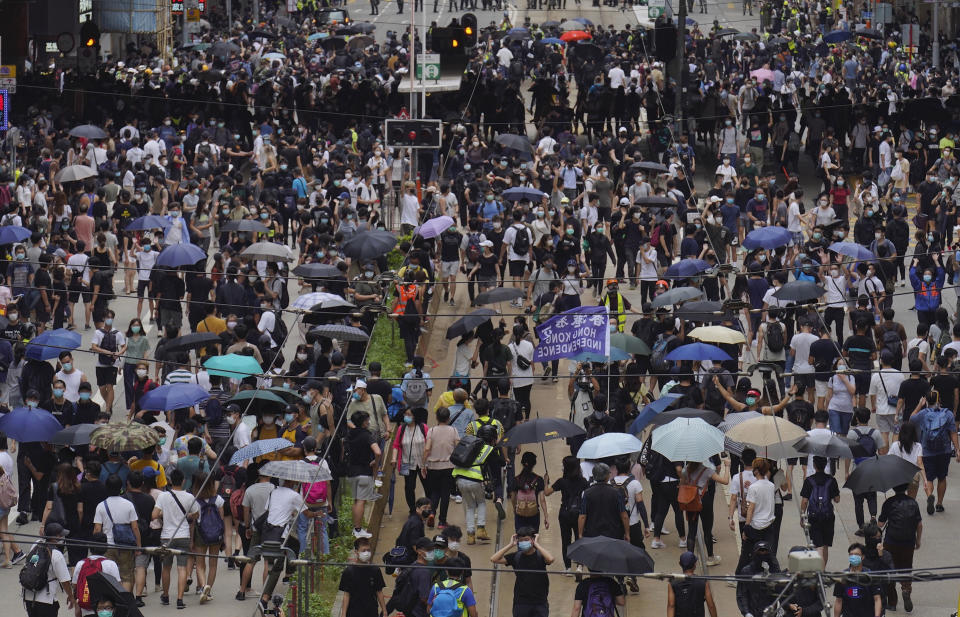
181, 605
362, 533
452, 302
187, 588
555, 379
482, 534
22, 518
682, 544
664, 532
198, 591
567, 572
930, 504
165, 600
262, 605
457, 499
939, 507
17, 557
140, 602
502, 515
206, 596
240, 597
471, 537
713, 560
231, 564
907, 602
657, 544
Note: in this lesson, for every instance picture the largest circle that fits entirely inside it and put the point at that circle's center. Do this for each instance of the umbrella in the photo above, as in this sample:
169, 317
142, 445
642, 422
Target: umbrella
258, 401
717, 334
29, 424
746, 36
75, 435
102, 585
575, 35
224, 48
687, 439
211, 76
879, 474
334, 43
233, 365
630, 344
854, 250
290, 396
615, 355
124, 437
649, 412
569, 25
710, 417
610, 555
837, 36
830, 446
13, 233
148, 222
698, 351
726, 32
366, 245
319, 299
434, 227
539, 430
656, 202
267, 251
705, 310
778, 40
259, 448
177, 255
327, 312
88, 131
341, 332
514, 142
519, 193
364, 27
799, 291
245, 226
173, 396
317, 36
315, 271
765, 431
650, 166
675, 296
500, 294
360, 41
588, 50
690, 21
870, 33
468, 323
73, 173
609, 444
552, 40
297, 471
685, 268
261, 34
550, 23
582, 20
767, 238
273, 55
49, 344
194, 340
762, 74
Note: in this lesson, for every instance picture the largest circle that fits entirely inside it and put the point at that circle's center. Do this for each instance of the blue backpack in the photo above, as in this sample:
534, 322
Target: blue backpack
820, 507
211, 525
447, 601
397, 406
936, 430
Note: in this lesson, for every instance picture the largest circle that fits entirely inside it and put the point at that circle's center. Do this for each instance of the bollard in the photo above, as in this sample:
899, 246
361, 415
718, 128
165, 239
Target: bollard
292, 607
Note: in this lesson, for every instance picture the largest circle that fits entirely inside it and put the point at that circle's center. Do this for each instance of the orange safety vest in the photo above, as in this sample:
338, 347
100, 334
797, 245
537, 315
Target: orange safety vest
406, 293
934, 292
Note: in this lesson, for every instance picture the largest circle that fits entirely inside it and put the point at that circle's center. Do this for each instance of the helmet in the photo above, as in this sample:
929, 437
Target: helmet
488, 433
612, 282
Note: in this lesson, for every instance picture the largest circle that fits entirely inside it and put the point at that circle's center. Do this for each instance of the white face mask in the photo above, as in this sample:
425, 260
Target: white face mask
364, 556
453, 546
301, 356
231, 420
268, 420
141, 372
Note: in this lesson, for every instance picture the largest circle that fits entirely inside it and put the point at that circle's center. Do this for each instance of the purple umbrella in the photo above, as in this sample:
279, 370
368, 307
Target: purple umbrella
434, 227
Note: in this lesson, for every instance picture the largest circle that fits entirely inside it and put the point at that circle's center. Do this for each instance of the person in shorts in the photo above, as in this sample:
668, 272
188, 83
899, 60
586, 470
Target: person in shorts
107, 371
821, 524
932, 421
361, 468
172, 508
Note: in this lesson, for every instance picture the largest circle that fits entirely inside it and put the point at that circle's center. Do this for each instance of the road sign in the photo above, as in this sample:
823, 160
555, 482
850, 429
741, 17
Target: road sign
193, 15
428, 66
9, 84
655, 8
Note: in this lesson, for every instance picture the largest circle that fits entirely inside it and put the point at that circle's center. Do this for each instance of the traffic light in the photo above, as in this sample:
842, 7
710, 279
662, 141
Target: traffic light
450, 40
469, 24
89, 35
412, 133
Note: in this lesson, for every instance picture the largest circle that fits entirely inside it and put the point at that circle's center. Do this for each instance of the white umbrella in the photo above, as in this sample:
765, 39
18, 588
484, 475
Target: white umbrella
72, 173
687, 439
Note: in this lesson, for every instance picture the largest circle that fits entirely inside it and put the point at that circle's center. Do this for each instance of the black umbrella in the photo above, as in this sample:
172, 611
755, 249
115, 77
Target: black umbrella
870, 33
333, 43
75, 435
650, 166
366, 245
539, 430
656, 202
666, 417
799, 291
104, 586
316, 271
321, 314
550, 23
195, 340
365, 27
704, 310
726, 32
588, 50
514, 142
261, 34
245, 226
341, 332
211, 76
746, 37
777, 40
605, 554
469, 322
224, 48
500, 294
880, 474
830, 446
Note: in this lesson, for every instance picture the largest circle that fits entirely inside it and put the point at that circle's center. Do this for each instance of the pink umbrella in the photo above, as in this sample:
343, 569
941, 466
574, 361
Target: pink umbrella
762, 75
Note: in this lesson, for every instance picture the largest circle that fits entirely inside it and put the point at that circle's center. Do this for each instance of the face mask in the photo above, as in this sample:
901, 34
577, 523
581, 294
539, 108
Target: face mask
817, 236
364, 556
146, 247
726, 161
834, 273
58, 392
105, 612
21, 256
264, 215
496, 226
356, 396
750, 400
571, 269
613, 328
453, 545
32, 404
408, 419
231, 420
283, 168
368, 274
84, 396
108, 321
67, 366
175, 213
840, 182
301, 356
268, 420
746, 159
141, 372
729, 200
539, 214
855, 560
231, 324
599, 230
226, 211
570, 232
288, 418
927, 278
929, 237
489, 197
466, 166
761, 258
524, 545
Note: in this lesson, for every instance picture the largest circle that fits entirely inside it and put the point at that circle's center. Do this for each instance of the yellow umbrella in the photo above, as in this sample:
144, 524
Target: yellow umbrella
717, 334
766, 431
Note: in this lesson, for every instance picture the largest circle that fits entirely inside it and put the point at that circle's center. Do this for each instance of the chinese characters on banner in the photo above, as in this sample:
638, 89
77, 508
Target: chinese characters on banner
581, 329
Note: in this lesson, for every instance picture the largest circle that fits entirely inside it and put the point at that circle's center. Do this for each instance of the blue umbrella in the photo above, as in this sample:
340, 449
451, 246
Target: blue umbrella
146, 223
517, 31
434, 227
616, 355
854, 250
259, 448
691, 21
686, 268
583, 20
552, 40
698, 351
173, 396
518, 193
49, 344
837, 36
29, 424
609, 444
767, 238
318, 35
177, 255
13, 233
646, 416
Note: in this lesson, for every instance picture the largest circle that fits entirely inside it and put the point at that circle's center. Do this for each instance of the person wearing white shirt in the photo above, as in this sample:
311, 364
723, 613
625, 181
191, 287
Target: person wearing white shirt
884, 390
43, 603
546, 145
107, 566
726, 170
616, 77
179, 512
522, 378
739, 485
153, 147
135, 154
761, 496
241, 430
110, 513
268, 322
800, 351
409, 208
819, 431
505, 56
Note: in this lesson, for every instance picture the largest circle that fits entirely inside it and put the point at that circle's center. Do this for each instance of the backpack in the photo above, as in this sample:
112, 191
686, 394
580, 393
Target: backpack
819, 506
868, 443
466, 451
526, 501
396, 407
945, 339
473, 248
91, 565
284, 295
936, 430
690, 496
122, 532
8, 492
913, 354
447, 601
655, 237
211, 525
600, 601
688, 596
405, 596
416, 394
505, 411
658, 360
775, 340
521, 242
622, 487
891, 341
279, 334
901, 526
109, 342
33, 575
206, 151
236, 503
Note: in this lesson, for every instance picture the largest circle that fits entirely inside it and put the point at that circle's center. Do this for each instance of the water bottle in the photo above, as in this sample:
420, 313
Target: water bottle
379, 481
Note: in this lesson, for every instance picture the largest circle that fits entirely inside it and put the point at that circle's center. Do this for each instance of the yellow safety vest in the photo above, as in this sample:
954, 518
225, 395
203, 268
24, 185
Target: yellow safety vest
621, 313
475, 471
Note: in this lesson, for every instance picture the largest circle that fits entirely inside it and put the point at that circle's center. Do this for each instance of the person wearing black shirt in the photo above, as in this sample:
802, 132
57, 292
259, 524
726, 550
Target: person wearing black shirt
860, 350
170, 292
853, 598
823, 352
199, 289
362, 585
583, 592
59, 300
86, 411
912, 390
361, 467
62, 409
43, 283
143, 503
530, 589
945, 384
413, 528
602, 511
822, 526
376, 385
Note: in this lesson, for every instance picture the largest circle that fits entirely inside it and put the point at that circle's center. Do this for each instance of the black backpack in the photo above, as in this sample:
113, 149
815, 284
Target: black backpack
521, 242
36, 568
109, 343
688, 596
405, 596
775, 337
465, 453
891, 341
284, 295
506, 411
280, 331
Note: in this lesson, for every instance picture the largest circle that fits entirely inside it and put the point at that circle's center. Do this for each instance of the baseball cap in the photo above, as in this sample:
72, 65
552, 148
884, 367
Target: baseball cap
624, 201
424, 543
877, 129
54, 530
440, 541
752, 392
687, 560
360, 384
486, 243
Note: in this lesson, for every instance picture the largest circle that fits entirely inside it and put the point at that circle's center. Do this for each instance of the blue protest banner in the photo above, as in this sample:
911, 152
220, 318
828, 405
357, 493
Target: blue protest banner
581, 329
